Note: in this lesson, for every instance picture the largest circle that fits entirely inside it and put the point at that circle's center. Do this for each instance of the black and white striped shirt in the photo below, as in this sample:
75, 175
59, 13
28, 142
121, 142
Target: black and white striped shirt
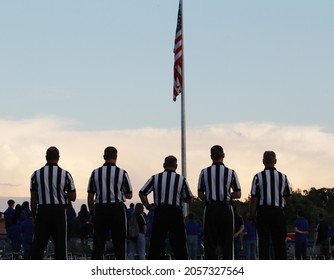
51, 183
169, 188
217, 181
110, 184
271, 186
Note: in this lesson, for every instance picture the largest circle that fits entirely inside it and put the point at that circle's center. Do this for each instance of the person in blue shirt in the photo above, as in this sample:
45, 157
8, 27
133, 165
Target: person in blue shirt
131, 209
239, 228
301, 226
9, 214
137, 244
27, 231
26, 208
14, 231
321, 236
193, 231
149, 222
250, 239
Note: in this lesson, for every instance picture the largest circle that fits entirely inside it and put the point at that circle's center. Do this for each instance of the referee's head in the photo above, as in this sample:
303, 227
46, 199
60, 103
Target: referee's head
170, 163
269, 158
217, 153
110, 153
52, 154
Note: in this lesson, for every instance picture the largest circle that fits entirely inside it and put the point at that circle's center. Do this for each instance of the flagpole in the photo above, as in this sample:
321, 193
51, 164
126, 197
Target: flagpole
183, 116
183, 119
183, 144
179, 88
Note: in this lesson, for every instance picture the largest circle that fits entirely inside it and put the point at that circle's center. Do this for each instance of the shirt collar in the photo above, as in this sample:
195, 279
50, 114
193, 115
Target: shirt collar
169, 170
270, 168
51, 164
109, 164
217, 163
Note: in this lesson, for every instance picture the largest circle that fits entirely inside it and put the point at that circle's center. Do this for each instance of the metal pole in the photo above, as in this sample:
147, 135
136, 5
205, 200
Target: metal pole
183, 119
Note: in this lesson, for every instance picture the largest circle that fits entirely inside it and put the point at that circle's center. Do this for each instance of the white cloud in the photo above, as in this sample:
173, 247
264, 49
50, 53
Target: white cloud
305, 154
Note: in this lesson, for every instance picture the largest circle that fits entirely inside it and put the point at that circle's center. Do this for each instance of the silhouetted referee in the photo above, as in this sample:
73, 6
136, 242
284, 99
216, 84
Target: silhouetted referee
269, 188
50, 189
217, 186
109, 186
170, 190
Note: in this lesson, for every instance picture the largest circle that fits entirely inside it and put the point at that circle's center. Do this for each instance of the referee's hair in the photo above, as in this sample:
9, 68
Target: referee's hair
170, 162
110, 153
52, 153
217, 152
269, 157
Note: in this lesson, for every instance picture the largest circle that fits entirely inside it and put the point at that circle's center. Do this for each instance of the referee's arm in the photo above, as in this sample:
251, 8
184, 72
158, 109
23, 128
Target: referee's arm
90, 202
144, 200
33, 202
128, 195
201, 195
254, 197
72, 196
236, 195
253, 206
201, 187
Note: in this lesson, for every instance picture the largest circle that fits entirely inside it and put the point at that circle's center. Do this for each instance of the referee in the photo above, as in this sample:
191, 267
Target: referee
170, 190
268, 192
217, 186
108, 188
51, 188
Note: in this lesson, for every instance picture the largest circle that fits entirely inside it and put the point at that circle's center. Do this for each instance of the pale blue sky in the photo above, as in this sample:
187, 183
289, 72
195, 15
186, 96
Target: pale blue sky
108, 64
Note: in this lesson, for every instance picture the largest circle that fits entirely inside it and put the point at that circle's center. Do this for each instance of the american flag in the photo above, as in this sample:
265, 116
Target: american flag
178, 56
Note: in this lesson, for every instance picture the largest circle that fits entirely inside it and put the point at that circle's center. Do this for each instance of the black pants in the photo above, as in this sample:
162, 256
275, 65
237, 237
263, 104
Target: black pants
168, 220
271, 226
218, 231
300, 250
110, 218
50, 222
